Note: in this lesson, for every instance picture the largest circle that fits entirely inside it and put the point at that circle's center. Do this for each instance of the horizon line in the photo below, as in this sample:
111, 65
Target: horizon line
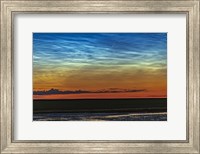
100, 98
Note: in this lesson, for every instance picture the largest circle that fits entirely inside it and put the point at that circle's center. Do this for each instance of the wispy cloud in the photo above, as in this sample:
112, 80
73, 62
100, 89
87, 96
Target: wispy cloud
98, 48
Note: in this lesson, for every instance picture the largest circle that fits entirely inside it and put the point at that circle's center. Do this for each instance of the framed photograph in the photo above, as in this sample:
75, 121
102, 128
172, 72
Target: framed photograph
100, 76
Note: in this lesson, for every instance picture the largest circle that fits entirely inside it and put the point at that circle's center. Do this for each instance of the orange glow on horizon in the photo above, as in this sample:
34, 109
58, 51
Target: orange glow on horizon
102, 96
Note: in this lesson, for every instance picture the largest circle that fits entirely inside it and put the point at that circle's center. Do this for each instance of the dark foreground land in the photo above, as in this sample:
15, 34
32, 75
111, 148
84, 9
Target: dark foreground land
144, 105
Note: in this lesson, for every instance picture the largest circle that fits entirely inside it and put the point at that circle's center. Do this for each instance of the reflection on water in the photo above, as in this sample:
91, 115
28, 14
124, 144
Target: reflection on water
100, 116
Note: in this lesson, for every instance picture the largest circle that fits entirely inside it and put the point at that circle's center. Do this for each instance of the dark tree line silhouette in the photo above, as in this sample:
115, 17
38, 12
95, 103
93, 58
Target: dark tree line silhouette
110, 90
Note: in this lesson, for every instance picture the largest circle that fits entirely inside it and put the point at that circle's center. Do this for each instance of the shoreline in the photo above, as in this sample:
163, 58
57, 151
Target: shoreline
136, 105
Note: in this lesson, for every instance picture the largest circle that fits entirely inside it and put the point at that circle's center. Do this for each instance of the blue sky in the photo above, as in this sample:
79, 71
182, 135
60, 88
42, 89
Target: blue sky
58, 58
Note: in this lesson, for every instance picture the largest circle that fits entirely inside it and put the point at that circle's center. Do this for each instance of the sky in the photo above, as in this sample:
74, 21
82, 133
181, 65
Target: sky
99, 65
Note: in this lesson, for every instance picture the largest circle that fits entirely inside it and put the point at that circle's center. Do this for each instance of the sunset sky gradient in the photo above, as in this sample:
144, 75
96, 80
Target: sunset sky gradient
133, 64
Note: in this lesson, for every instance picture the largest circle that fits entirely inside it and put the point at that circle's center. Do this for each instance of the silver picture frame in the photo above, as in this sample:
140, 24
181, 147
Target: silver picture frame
9, 8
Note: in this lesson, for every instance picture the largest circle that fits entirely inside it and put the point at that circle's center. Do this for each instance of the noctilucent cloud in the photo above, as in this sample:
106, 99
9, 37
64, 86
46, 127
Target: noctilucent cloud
133, 64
